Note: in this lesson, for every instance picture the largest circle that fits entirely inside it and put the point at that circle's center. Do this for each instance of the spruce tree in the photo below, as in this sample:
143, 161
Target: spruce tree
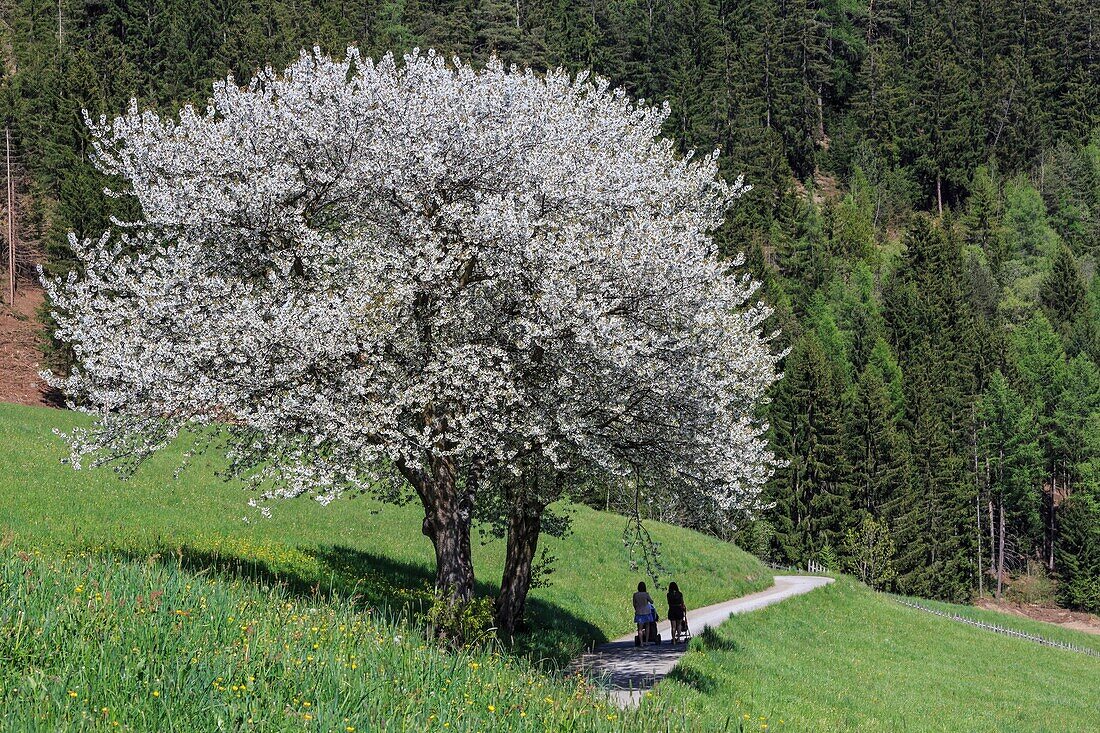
811, 493
876, 444
1013, 462
1062, 294
1078, 554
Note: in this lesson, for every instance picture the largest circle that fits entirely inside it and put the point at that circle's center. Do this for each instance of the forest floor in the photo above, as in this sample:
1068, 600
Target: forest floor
19, 352
1075, 620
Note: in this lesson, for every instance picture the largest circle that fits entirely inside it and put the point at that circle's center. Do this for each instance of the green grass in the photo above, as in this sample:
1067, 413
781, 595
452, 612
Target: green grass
93, 642
351, 569
843, 658
113, 591
1052, 632
352, 546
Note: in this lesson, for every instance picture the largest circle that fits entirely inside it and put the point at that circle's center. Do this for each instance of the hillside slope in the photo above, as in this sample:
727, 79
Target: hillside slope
354, 545
845, 658
156, 585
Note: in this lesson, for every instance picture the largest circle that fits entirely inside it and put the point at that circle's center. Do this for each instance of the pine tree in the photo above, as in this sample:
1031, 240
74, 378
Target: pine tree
982, 218
930, 323
811, 492
1062, 294
1040, 375
876, 444
1078, 554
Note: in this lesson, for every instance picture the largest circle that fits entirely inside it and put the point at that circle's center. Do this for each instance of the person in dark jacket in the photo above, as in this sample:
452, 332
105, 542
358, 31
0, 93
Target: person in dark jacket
677, 612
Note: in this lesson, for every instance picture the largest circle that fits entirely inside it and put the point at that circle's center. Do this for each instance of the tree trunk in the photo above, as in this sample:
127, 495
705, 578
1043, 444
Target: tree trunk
1050, 529
448, 512
447, 525
524, 525
820, 116
1000, 544
981, 560
992, 540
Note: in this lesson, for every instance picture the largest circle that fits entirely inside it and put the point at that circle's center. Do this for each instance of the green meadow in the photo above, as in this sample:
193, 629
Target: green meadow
163, 603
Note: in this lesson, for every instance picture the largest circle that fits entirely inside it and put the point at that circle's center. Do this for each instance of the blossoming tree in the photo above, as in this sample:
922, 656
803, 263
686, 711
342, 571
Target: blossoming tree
424, 271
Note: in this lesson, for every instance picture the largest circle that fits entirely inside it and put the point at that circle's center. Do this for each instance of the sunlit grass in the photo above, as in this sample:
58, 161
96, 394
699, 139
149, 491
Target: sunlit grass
355, 545
153, 599
845, 659
94, 642
1052, 632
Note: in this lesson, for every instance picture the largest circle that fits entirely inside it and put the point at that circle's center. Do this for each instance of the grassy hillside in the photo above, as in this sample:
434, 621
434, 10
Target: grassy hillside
1053, 632
352, 546
171, 613
95, 643
843, 658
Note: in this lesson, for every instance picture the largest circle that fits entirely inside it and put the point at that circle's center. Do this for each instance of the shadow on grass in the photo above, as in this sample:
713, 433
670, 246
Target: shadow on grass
693, 678
707, 641
710, 641
398, 589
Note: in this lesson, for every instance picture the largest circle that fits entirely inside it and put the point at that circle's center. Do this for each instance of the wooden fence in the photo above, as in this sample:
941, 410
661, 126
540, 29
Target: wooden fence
999, 629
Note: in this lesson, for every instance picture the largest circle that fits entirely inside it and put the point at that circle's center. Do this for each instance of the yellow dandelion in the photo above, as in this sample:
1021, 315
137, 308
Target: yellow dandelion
492, 709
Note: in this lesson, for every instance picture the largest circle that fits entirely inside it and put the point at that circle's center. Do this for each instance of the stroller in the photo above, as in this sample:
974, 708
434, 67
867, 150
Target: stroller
652, 636
685, 632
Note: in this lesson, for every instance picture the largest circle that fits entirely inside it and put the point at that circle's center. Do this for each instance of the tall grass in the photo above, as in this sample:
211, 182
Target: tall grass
91, 641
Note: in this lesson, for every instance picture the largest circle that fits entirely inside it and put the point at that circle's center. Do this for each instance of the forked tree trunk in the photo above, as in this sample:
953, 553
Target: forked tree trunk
524, 525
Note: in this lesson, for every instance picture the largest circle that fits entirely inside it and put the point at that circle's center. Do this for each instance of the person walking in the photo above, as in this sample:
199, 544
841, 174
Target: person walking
643, 611
677, 612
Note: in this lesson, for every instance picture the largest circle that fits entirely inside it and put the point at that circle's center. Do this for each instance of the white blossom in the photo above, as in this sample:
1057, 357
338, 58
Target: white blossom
352, 266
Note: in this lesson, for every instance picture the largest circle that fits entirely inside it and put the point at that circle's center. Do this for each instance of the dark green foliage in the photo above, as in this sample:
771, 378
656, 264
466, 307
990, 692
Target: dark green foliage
1011, 466
1078, 554
1062, 293
812, 493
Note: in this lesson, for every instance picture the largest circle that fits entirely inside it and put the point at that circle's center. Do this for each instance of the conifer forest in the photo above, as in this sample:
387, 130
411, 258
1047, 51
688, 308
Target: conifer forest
924, 215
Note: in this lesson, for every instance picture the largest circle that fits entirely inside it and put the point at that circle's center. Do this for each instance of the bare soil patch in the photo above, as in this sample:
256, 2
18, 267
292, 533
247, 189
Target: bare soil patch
1075, 620
20, 356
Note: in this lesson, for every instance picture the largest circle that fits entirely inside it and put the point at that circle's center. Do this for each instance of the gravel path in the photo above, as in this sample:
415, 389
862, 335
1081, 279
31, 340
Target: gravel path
629, 671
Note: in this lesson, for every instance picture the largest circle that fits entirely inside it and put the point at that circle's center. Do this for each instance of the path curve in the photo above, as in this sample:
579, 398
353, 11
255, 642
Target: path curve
629, 672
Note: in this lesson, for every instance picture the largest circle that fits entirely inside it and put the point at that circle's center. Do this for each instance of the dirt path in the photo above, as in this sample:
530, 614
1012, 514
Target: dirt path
629, 671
